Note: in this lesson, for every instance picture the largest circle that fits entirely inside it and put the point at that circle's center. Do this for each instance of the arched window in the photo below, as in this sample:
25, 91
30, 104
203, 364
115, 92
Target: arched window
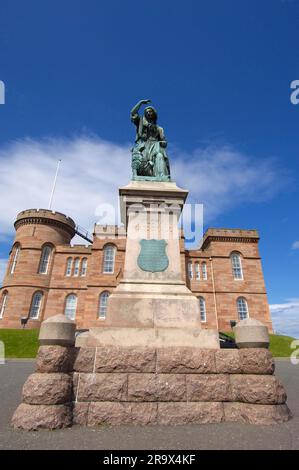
3, 303
44, 260
70, 306
197, 271
76, 267
103, 304
84, 267
202, 308
190, 270
236, 266
69, 265
35, 305
109, 257
242, 308
204, 271
15, 259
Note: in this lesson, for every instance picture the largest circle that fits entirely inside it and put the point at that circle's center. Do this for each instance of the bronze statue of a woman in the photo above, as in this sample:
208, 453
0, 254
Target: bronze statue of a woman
149, 157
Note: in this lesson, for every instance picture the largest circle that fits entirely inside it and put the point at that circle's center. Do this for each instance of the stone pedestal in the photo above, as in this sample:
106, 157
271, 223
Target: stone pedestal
151, 363
176, 385
145, 385
152, 301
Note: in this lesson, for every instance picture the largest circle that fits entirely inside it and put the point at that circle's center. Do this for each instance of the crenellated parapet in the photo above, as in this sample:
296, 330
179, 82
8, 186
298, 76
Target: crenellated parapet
46, 217
229, 235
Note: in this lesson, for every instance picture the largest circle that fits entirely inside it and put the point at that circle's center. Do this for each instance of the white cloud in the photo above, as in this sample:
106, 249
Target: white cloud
222, 178
285, 317
92, 170
90, 173
295, 245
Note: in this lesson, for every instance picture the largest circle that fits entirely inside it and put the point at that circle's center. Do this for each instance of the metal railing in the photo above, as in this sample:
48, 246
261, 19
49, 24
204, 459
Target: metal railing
83, 233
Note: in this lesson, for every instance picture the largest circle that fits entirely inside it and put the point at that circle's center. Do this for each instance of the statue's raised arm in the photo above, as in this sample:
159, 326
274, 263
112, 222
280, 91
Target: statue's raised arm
149, 158
135, 109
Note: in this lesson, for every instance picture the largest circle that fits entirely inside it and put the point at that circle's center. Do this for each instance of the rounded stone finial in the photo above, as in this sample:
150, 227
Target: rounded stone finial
58, 330
251, 333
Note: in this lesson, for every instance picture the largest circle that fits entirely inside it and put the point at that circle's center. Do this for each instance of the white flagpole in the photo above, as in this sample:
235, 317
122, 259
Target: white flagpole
54, 185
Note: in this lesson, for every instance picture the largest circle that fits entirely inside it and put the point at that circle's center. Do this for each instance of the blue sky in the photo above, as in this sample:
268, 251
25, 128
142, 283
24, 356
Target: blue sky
219, 73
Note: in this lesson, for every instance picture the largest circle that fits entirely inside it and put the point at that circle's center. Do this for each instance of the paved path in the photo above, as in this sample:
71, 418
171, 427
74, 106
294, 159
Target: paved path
209, 436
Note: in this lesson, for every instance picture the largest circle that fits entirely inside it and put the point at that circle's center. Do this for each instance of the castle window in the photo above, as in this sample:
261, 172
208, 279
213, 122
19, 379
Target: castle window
84, 267
109, 257
3, 304
69, 265
44, 260
197, 271
242, 308
70, 306
35, 305
15, 259
202, 308
236, 266
76, 267
204, 271
103, 304
190, 270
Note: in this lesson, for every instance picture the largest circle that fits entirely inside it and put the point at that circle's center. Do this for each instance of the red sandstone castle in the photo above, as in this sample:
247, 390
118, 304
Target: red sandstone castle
46, 275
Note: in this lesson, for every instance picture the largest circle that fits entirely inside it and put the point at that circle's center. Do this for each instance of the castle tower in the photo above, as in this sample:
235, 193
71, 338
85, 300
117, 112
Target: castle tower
26, 282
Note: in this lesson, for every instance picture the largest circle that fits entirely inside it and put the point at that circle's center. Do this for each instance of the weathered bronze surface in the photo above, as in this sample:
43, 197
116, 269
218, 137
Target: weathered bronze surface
149, 157
152, 256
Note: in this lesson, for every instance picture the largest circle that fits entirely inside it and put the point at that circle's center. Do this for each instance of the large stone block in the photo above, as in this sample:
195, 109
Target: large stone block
256, 414
228, 361
186, 360
47, 389
156, 387
84, 359
54, 359
34, 417
166, 337
109, 413
80, 413
190, 413
208, 387
125, 359
102, 387
144, 413
256, 361
263, 389
122, 413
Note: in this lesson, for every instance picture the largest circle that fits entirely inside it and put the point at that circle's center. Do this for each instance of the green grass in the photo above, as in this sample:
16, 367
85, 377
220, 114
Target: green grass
20, 343
279, 344
24, 343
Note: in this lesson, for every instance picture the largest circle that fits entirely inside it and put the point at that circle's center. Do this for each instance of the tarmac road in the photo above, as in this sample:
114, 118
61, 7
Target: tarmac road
209, 436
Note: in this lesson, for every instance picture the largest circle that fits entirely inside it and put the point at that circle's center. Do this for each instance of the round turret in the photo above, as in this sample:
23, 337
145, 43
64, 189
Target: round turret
27, 279
45, 225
